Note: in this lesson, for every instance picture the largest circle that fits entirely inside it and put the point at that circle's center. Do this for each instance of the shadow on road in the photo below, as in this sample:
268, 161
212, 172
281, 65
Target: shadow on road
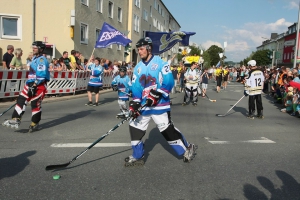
289, 190
11, 166
58, 121
155, 137
241, 110
93, 160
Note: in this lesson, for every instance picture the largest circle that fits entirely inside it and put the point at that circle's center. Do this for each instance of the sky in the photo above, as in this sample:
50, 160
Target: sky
240, 23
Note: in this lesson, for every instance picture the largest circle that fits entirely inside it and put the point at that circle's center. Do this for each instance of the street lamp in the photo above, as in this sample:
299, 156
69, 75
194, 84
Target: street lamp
273, 50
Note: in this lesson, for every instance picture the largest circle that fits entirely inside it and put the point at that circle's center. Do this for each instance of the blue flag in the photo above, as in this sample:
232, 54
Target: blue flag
163, 41
218, 64
109, 35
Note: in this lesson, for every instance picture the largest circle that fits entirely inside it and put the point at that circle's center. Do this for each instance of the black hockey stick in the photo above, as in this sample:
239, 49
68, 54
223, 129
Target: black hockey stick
218, 115
52, 167
7, 109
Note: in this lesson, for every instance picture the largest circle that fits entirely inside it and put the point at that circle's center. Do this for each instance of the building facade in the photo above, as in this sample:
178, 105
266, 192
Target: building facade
149, 15
76, 24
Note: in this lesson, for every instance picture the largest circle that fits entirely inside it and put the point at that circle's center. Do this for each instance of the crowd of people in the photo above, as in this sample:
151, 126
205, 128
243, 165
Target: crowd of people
12, 60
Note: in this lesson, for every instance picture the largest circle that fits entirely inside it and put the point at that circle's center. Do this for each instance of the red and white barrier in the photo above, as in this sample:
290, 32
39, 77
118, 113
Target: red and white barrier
12, 82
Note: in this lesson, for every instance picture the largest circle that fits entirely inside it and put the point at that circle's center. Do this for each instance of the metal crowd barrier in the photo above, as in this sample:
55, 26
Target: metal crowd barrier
12, 82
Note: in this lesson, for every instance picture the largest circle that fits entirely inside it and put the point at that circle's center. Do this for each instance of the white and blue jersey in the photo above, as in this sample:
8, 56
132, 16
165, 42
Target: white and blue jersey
154, 74
124, 86
96, 75
39, 70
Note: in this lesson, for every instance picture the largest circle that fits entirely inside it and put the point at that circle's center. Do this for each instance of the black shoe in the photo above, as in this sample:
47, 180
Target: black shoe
95, 104
250, 116
183, 104
89, 103
195, 104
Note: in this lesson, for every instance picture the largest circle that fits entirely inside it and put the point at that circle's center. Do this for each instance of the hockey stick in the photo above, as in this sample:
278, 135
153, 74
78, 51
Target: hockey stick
52, 167
7, 109
218, 115
211, 100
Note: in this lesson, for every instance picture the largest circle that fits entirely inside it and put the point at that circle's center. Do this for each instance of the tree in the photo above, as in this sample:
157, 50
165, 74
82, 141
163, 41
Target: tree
262, 57
213, 52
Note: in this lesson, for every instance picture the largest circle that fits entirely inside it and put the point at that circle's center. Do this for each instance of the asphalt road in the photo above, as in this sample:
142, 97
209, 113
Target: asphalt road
238, 158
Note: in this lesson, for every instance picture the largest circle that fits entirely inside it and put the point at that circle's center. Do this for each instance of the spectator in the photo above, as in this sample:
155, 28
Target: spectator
54, 65
73, 63
180, 76
106, 64
296, 77
62, 64
204, 78
288, 105
16, 62
85, 62
78, 61
28, 60
7, 57
234, 75
175, 74
66, 60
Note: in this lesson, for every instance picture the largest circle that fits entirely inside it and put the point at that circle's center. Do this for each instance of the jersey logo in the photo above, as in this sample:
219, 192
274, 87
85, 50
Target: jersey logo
41, 68
41, 59
154, 67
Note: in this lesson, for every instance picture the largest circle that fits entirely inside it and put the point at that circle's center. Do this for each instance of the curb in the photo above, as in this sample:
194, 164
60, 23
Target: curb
57, 99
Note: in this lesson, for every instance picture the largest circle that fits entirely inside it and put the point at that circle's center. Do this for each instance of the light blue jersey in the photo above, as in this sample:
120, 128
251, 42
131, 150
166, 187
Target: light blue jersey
155, 74
39, 70
124, 86
96, 75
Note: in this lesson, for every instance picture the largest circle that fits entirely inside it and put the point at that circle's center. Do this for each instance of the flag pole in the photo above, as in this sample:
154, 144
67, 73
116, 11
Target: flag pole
296, 51
92, 53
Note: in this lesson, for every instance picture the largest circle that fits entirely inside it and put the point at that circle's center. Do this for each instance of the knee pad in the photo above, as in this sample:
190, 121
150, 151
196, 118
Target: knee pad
122, 104
175, 139
136, 134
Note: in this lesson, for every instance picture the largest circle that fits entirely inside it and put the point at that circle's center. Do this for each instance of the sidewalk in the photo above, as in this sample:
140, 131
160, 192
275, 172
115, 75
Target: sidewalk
7, 104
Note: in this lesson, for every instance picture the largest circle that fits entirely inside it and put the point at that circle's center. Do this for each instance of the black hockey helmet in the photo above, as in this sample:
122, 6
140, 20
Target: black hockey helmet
39, 44
123, 69
143, 42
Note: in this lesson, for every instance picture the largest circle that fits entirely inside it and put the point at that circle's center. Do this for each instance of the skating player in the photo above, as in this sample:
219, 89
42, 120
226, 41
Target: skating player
33, 91
151, 84
253, 87
192, 77
122, 84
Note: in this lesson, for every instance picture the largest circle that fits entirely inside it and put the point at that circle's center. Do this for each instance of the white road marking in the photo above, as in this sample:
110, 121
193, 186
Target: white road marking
263, 140
63, 145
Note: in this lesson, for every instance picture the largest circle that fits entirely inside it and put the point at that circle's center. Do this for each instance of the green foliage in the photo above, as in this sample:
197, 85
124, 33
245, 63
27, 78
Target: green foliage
194, 50
262, 57
213, 52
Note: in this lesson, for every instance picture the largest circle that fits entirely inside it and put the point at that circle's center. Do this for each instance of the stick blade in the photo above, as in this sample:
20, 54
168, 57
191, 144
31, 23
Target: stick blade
52, 167
218, 115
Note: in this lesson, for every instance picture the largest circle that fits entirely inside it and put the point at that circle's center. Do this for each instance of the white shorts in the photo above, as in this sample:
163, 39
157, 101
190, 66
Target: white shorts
204, 86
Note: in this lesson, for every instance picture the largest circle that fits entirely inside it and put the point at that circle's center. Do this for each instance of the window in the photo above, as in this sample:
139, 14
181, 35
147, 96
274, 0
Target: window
119, 14
136, 23
283, 56
158, 8
85, 2
99, 6
145, 15
150, 26
110, 9
98, 31
110, 46
137, 3
288, 56
150, 11
119, 47
163, 13
155, 4
83, 33
10, 27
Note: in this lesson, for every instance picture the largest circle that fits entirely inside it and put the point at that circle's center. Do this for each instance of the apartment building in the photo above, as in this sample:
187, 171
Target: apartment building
150, 15
65, 25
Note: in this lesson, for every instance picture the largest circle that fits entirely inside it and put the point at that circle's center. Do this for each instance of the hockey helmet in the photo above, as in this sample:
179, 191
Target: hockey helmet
39, 44
252, 63
143, 42
123, 69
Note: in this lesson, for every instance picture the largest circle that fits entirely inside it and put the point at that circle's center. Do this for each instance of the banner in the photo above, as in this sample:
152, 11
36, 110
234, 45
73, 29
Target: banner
109, 35
163, 41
